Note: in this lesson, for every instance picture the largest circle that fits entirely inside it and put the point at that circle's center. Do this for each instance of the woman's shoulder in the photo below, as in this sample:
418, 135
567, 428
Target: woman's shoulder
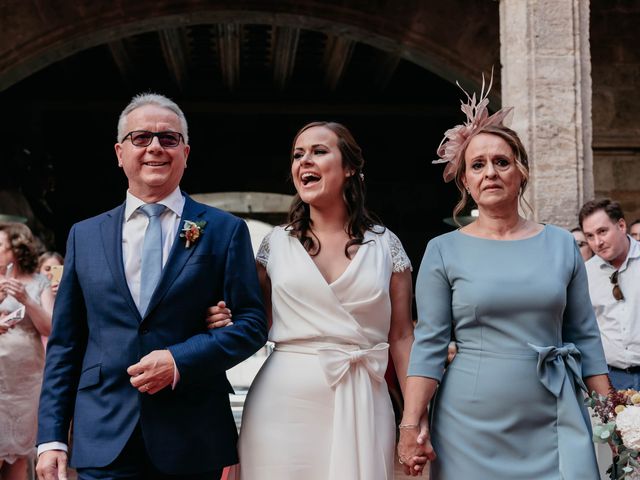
445, 238
556, 233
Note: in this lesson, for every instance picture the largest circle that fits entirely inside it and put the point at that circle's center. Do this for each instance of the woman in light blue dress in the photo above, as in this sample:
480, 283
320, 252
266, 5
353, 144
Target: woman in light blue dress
513, 294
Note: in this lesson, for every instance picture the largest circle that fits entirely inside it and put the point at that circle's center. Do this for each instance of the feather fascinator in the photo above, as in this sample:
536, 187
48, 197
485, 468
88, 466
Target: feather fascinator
457, 138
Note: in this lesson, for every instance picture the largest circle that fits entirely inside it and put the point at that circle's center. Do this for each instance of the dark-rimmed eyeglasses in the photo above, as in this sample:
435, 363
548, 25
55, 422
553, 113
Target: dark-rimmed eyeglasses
143, 138
617, 292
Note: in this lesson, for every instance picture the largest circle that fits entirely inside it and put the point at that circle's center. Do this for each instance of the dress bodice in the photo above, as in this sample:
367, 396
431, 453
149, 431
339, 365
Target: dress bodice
502, 295
354, 309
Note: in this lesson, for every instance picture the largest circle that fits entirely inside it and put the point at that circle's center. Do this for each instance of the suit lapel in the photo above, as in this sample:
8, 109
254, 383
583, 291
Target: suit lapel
179, 253
111, 230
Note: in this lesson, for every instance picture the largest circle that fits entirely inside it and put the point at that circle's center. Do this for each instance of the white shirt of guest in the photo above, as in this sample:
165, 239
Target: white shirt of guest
133, 230
619, 320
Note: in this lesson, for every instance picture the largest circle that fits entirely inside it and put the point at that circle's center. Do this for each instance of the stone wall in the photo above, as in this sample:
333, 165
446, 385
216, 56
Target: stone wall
545, 77
615, 53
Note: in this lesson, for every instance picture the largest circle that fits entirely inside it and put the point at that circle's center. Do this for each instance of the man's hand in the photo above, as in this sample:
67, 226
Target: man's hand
153, 372
219, 316
52, 465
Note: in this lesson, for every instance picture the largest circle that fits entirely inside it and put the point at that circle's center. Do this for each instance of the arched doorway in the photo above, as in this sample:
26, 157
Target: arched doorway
248, 79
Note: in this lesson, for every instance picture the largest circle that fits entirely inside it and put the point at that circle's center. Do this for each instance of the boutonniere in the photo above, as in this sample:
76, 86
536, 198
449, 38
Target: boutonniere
191, 232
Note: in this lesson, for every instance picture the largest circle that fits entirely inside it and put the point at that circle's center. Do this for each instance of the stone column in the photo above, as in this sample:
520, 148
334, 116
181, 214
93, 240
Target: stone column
546, 76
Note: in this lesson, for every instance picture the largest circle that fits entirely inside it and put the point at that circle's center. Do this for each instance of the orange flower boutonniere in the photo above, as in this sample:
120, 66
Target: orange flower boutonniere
191, 232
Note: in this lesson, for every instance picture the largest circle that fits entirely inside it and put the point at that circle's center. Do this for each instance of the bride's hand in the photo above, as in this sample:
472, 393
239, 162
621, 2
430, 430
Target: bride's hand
218, 316
415, 449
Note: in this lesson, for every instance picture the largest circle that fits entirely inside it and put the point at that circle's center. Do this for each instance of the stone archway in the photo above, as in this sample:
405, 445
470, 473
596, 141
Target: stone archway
35, 34
415, 32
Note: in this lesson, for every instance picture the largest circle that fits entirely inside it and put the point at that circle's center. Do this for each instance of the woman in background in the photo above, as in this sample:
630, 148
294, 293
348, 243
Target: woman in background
45, 262
581, 241
21, 350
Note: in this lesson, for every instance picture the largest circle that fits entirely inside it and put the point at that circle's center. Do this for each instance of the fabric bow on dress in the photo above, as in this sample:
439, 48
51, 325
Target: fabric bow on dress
555, 363
354, 373
560, 371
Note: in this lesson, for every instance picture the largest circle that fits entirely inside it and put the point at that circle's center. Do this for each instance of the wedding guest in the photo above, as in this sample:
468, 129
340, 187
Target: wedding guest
634, 230
21, 351
338, 291
45, 262
514, 292
583, 245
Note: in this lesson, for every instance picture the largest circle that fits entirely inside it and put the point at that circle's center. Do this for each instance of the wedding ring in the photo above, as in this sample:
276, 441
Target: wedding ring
146, 387
401, 460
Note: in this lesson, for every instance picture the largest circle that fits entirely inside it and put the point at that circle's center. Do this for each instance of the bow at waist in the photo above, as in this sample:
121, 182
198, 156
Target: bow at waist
556, 363
336, 361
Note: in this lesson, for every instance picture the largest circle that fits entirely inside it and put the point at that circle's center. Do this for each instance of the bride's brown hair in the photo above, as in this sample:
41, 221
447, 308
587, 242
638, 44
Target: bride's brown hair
353, 194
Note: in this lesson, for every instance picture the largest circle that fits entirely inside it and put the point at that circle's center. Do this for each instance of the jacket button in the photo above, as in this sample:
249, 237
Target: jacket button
144, 331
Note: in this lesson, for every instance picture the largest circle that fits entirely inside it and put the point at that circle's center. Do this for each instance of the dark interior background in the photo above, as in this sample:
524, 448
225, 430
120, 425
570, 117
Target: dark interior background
60, 127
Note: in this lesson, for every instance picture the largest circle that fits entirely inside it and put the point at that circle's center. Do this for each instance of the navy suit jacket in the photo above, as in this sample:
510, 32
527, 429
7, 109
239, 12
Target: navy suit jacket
98, 333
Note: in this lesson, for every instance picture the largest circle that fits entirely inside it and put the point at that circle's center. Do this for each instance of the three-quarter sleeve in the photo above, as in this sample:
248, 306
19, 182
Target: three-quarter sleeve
579, 323
433, 330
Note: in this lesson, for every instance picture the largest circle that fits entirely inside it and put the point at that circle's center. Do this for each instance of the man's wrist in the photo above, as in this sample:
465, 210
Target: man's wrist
45, 447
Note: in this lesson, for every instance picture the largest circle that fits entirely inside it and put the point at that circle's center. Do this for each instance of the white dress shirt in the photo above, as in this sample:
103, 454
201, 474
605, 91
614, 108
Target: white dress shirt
133, 230
619, 320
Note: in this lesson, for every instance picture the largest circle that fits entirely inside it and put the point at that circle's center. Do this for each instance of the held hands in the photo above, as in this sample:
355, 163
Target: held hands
153, 372
52, 465
414, 447
218, 316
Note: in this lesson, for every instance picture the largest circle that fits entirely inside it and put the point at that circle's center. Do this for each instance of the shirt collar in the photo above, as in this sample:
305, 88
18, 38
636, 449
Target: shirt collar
174, 202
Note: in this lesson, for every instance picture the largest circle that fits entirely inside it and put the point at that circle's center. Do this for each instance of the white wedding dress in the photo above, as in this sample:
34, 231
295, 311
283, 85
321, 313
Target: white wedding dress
319, 408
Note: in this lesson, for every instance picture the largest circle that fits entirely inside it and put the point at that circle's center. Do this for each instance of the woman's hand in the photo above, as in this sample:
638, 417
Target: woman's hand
16, 289
3, 328
452, 351
414, 447
219, 316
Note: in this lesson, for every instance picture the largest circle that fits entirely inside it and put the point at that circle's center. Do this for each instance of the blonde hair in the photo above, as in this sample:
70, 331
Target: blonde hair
521, 159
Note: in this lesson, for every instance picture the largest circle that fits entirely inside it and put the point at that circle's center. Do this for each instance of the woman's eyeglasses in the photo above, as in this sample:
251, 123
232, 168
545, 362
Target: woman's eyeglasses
143, 138
617, 292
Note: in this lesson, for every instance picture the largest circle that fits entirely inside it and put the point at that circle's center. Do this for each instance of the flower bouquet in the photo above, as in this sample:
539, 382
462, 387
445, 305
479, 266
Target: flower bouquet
618, 423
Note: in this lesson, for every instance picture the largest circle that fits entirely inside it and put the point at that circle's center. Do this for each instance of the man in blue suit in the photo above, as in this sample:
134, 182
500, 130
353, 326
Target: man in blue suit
130, 359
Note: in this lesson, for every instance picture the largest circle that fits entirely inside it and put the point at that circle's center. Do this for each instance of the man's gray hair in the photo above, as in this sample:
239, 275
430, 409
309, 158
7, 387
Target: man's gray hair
143, 99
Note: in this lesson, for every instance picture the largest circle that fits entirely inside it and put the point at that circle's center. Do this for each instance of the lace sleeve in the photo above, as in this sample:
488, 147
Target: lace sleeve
263, 252
400, 259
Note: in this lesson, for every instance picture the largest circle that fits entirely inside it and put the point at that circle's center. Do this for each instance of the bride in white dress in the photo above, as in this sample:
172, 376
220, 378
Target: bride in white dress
338, 292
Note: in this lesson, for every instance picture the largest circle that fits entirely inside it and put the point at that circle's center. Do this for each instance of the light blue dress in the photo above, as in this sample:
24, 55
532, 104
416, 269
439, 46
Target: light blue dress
510, 404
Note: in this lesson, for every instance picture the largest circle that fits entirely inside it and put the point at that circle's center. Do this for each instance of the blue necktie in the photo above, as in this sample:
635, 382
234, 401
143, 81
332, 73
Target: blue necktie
151, 268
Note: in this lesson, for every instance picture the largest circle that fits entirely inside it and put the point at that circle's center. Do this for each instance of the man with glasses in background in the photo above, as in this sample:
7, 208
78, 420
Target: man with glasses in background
614, 287
130, 358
